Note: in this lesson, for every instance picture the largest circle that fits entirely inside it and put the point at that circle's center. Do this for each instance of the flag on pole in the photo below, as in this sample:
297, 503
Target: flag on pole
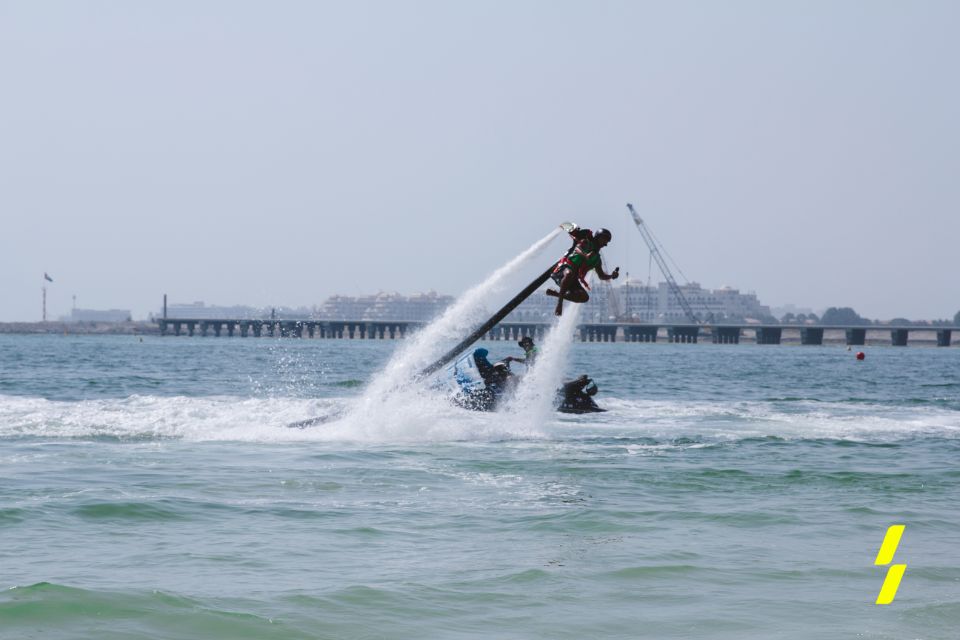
46, 277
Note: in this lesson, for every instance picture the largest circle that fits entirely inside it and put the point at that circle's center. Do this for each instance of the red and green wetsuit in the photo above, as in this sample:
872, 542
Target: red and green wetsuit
582, 258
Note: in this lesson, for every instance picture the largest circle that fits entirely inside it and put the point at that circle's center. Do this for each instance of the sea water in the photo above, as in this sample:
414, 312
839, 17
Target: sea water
153, 489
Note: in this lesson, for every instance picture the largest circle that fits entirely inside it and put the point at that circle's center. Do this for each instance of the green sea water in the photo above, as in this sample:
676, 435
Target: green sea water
155, 490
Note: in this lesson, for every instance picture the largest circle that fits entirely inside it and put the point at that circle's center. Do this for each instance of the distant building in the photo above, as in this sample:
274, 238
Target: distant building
202, 311
99, 315
641, 303
420, 307
631, 300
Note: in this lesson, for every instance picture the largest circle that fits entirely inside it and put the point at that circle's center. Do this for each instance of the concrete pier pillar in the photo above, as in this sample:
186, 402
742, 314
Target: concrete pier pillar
685, 335
726, 335
203, 329
244, 329
271, 329
176, 328
217, 328
943, 337
811, 335
257, 328
163, 327
898, 337
856, 337
190, 328
769, 335
641, 333
230, 328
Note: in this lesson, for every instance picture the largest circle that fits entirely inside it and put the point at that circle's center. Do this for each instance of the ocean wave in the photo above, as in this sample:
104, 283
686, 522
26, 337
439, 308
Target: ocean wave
60, 611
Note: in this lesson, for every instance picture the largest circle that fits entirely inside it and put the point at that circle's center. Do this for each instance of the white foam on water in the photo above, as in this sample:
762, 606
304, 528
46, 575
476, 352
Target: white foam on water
138, 416
734, 420
534, 403
428, 416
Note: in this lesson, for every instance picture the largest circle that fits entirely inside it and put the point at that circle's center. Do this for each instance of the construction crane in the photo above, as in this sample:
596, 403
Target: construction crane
655, 252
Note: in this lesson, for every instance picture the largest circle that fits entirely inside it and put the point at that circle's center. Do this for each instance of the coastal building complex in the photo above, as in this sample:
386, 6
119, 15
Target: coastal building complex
632, 302
203, 311
98, 315
639, 302
420, 307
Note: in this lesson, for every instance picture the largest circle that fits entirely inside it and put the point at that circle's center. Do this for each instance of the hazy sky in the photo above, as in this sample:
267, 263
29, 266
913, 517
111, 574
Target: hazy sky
275, 153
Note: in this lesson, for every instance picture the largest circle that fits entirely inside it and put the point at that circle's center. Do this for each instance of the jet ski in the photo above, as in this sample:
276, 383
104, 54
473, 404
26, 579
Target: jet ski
478, 385
576, 396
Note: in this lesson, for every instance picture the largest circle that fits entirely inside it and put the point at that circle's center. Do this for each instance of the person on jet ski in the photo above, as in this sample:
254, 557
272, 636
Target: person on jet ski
571, 271
576, 396
530, 352
497, 377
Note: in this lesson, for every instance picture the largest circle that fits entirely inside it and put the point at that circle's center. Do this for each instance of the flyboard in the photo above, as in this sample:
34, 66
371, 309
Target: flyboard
467, 342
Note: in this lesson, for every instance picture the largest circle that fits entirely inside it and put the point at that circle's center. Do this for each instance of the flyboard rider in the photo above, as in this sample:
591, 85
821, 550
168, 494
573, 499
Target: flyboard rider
571, 272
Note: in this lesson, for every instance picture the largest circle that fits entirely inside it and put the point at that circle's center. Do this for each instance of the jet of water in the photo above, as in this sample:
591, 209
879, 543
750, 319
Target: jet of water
388, 399
428, 344
536, 395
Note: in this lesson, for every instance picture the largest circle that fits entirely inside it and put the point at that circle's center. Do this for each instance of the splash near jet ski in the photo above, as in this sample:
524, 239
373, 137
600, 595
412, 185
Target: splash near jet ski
480, 385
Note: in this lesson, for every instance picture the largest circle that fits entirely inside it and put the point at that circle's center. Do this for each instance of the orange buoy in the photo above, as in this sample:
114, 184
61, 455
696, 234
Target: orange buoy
861, 355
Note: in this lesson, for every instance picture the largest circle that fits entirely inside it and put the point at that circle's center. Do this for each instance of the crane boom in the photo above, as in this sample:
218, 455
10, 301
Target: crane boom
655, 252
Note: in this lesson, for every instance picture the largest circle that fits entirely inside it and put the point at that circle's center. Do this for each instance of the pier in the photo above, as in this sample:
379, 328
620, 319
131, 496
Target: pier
588, 332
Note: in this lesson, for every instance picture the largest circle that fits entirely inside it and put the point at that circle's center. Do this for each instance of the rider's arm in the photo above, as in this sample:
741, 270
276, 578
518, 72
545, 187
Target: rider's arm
607, 276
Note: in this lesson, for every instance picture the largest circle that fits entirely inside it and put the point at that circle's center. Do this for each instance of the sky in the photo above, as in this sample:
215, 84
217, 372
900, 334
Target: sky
277, 153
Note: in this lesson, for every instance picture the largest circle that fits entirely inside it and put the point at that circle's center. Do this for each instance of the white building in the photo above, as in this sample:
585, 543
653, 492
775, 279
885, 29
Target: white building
99, 315
636, 301
420, 307
201, 311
